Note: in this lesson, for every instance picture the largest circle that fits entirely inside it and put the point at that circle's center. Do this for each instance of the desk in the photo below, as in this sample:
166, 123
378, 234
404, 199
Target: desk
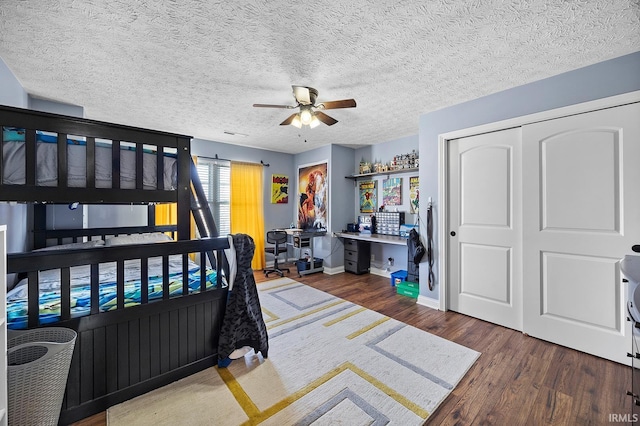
374, 238
357, 249
302, 235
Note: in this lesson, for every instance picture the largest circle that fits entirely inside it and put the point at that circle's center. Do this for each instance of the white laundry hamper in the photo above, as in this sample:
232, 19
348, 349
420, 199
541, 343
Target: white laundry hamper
38, 366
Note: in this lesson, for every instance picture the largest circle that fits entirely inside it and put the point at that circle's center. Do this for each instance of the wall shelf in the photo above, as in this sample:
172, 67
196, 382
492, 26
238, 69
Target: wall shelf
389, 172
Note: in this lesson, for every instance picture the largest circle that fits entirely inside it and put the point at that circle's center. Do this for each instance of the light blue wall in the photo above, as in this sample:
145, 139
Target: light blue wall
11, 93
14, 216
322, 245
385, 152
342, 199
275, 215
609, 78
616, 76
45, 105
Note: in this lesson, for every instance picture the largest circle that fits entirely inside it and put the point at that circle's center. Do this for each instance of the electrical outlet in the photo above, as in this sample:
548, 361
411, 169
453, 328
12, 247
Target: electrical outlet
373, 257
391, 261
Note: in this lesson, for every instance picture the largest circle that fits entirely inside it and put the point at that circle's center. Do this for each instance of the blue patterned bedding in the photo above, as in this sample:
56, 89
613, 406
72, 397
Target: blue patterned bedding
49, 284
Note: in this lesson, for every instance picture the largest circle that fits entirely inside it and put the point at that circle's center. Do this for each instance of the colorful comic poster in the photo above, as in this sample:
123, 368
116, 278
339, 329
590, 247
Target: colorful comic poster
368, 197
414, 194
279, 189
392, 192
313, 196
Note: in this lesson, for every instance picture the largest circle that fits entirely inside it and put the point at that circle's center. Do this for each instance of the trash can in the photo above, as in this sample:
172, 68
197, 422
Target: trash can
38, 366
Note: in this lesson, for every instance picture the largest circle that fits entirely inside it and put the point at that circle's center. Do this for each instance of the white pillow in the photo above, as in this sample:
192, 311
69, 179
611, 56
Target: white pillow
151, 237
75, 246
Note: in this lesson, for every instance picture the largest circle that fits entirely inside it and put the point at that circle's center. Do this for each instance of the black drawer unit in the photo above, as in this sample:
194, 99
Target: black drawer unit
357, 256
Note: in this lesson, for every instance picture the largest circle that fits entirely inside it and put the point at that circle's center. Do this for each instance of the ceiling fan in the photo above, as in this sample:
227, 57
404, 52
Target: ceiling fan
310, 113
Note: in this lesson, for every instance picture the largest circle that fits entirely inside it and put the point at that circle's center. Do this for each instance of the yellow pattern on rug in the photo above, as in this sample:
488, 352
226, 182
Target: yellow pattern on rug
330, 361
256, 418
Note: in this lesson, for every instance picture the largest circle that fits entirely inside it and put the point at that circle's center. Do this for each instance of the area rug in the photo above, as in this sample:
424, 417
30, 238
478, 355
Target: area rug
330, 362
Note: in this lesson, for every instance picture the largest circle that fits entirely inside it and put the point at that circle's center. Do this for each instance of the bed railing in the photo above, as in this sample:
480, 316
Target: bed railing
90, 130
34, 262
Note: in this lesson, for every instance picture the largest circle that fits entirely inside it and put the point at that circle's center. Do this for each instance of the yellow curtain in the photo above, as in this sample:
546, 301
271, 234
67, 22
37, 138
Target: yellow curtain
247, 211
167, 214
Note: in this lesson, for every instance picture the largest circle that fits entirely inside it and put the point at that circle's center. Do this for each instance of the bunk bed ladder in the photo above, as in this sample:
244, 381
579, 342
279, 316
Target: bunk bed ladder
200, 210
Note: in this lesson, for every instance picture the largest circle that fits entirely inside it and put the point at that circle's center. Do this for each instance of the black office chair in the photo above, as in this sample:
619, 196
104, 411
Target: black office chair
279, 239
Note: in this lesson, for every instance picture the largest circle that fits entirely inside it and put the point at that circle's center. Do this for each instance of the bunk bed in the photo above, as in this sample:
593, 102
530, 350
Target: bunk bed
156, 326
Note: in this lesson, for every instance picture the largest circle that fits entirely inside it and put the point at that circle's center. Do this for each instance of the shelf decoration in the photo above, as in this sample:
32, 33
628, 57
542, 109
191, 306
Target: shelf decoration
399, 162
392, 192
380, 167
365, 167
406, 161
368, 196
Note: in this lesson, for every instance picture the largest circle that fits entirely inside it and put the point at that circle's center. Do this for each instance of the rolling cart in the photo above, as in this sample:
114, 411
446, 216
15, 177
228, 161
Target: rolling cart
302, 238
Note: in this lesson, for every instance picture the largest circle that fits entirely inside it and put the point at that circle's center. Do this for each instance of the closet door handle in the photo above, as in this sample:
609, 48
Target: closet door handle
453, 233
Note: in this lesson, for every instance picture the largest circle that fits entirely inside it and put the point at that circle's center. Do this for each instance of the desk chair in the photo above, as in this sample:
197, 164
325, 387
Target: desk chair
279, 239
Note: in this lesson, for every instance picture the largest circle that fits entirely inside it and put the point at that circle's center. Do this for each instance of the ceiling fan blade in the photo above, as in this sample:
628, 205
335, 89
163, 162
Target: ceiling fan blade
302, 95
345, 103
273, 106
329, 121
288, 120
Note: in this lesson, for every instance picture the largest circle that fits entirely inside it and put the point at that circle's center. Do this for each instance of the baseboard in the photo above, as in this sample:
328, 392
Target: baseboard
428, 302
333, 271
380, 272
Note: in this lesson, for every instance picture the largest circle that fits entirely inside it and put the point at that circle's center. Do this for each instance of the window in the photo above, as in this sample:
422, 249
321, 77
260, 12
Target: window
215, 176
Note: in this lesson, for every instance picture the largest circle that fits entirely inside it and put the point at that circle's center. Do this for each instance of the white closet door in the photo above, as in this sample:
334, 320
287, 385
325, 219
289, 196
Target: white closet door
581, 180
484, 250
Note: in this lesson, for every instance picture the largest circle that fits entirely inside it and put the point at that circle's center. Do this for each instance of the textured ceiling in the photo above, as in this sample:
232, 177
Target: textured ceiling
197, 66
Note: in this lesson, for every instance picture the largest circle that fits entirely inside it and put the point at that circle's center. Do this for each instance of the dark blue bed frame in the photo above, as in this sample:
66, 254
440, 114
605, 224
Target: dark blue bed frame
123, 353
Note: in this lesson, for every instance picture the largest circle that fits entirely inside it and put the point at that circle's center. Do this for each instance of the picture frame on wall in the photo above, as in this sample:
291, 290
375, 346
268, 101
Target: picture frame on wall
414, 194
279, 189
392, 192
313, 196
368, 193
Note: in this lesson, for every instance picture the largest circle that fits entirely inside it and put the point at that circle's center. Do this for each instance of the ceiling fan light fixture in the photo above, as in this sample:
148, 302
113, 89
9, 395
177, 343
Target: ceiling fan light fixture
296, 121
309, 113
314, 122
306, 116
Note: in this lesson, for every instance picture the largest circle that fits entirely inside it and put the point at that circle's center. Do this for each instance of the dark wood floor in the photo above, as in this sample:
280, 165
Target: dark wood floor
518, 380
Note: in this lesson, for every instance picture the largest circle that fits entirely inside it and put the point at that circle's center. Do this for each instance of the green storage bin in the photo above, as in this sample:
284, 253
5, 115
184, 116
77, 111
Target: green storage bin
408, 288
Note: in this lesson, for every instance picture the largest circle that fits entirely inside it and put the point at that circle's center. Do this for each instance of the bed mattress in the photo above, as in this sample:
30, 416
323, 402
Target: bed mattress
14, 170
49, 284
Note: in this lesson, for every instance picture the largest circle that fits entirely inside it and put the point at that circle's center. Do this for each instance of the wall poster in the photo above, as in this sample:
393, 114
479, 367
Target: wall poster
392, 192
313, 196
414, 194
279, 189
368, 196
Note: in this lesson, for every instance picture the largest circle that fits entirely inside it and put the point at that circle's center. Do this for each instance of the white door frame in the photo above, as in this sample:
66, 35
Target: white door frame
443, 184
